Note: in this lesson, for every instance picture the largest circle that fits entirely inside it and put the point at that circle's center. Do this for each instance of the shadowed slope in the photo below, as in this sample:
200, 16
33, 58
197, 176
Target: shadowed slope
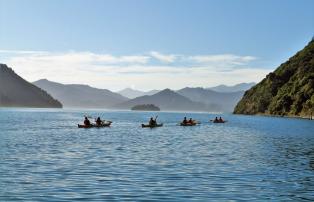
16, 92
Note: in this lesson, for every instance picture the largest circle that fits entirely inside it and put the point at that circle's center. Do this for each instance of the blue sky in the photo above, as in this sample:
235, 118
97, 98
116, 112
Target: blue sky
172, 43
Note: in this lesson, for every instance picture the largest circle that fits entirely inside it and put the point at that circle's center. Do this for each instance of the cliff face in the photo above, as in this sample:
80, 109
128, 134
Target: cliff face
288, 91
16, 92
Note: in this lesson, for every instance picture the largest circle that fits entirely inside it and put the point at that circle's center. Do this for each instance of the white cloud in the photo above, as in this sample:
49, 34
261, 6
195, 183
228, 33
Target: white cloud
223, 60
116, 72
122, 59
86, 57
162, 57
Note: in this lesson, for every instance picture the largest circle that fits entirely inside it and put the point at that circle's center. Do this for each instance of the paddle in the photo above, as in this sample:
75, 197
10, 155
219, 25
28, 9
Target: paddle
90, 117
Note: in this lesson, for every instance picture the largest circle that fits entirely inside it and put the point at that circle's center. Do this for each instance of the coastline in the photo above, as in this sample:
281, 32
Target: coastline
278, 116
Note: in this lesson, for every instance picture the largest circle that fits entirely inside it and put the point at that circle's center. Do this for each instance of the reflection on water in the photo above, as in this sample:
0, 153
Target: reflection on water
44, 156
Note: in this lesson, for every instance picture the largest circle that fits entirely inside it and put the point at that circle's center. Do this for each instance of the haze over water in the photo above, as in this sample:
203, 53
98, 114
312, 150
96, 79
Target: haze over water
45, 157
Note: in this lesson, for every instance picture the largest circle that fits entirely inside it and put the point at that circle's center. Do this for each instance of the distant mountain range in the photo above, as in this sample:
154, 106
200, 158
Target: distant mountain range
218, 98
235, 88
16, 92
165, 100
132, 93
215, 101
76, 95
186, 99
288, 91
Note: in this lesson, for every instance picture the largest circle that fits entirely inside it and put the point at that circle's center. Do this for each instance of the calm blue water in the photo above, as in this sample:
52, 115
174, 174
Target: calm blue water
45, 157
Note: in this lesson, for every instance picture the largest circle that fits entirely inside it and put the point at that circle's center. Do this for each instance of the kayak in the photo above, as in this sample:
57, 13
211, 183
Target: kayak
188, 124
151, 126
94, 125
219, 121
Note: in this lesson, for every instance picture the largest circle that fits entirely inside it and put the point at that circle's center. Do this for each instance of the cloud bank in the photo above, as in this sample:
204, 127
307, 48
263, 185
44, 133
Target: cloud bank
162, 57
152, 70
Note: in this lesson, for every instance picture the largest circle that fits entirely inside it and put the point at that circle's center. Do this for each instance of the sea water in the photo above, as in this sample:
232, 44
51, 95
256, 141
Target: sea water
45, 157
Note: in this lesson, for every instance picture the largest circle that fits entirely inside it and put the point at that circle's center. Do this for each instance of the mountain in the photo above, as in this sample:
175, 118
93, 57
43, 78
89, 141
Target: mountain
151, 92
16, 92
75, 95
216, 101
165, 100
132, 93
289, 90
235, 88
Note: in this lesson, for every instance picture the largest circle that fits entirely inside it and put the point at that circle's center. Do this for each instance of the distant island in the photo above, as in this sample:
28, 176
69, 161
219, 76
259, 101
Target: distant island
145, 107
288, 91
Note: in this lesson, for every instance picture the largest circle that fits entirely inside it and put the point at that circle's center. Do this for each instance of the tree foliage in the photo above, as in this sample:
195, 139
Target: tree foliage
288, 91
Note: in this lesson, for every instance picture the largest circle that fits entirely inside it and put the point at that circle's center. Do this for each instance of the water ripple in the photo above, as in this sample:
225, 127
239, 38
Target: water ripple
47, 158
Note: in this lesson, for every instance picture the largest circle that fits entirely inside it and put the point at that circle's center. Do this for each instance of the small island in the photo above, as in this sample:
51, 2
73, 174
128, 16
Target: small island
145, 107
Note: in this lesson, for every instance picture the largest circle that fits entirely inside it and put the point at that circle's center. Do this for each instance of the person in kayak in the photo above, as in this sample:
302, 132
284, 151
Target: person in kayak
86, 122
190, 121
152, 121
216, 120
99, 121
221, 120
184, 121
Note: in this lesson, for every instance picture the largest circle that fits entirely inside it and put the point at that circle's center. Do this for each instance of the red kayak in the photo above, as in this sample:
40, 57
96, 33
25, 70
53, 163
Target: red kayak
94, 125
188, 124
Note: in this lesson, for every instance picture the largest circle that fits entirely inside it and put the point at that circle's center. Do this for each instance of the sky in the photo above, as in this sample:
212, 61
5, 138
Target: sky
152, 44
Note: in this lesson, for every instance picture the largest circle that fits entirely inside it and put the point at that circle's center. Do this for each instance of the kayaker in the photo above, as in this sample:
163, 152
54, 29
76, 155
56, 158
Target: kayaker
86, 122
190, 121
185, 121
99, 121
216, 120
221, 120
152, 121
